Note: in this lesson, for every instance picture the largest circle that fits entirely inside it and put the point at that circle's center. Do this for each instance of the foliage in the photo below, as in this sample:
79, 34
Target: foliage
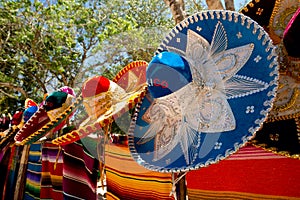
48, 44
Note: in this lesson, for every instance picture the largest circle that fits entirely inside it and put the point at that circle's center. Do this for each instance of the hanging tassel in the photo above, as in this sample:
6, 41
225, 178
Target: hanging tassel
101, 156
57, 156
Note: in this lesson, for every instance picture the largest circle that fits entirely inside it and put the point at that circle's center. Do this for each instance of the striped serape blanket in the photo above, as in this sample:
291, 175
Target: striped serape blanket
80, 173
250, 173
128, 180
52, 172
13, 167
33, 174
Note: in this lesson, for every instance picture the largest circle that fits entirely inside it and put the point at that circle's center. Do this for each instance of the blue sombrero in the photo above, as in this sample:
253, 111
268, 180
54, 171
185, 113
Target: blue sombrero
210, 86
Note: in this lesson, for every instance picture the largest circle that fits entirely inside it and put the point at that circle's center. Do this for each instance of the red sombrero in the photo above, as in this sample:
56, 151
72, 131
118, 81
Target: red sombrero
49, 117
105, 100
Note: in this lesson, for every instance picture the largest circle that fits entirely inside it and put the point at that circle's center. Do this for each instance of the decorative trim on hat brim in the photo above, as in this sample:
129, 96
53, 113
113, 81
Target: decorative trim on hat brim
259, 10
52, 124
107, 118
35, 123
9, 137
273, 149
283, 117
276, 24
127, 68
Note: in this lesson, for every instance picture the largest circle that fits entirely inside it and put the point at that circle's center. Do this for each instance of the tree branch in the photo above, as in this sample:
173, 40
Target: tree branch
6, 94
229, 5
39, 81
14, 87
177, 9
214, 5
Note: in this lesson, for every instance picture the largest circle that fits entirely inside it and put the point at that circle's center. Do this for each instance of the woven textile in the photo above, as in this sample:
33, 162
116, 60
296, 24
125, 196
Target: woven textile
34, 170
80, 173
52, 172
251, 173
8, 167
13, 168
128, 180
4, 161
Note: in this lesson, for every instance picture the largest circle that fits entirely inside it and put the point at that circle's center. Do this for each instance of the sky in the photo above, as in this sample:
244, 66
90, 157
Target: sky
238, 3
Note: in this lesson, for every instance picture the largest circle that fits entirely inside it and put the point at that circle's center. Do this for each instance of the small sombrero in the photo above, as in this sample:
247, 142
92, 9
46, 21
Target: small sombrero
210, 86
281, 132
44, 120
105, 100
30, 108
16, 123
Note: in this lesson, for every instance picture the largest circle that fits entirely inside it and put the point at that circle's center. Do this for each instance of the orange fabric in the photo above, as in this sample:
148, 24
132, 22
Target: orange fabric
128, 180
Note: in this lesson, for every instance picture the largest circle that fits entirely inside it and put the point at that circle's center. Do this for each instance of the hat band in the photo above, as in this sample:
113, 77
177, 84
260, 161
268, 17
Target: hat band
97, 105
53, 114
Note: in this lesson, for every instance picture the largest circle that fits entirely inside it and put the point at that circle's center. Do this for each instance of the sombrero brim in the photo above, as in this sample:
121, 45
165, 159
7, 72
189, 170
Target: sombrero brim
135, 90
35, 123
282, 13
280, 133
190, 137
260, 11
50, 125
9, 137
284, 141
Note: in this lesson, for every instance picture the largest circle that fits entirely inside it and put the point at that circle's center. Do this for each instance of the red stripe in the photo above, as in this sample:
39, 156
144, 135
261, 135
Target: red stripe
279, 177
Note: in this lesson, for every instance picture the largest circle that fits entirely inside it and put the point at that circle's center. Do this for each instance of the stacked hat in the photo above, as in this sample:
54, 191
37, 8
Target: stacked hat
45, 120
280, 133
17, 117
20, 117
272, 15
105, 100
259, 10
30, 108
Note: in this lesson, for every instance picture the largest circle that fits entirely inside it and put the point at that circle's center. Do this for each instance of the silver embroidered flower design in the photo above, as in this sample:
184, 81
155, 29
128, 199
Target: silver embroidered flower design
218, 145
250, 109
200, 106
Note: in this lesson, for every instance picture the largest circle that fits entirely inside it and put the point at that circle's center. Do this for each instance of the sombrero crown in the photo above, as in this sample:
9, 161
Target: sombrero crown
105, 100
99, 95
167, 72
